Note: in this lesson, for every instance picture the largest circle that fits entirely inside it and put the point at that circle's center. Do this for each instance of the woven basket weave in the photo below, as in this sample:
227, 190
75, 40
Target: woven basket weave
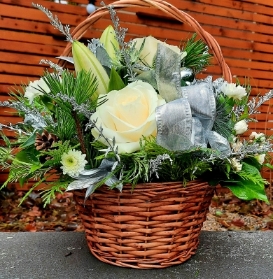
155, 226
158, 224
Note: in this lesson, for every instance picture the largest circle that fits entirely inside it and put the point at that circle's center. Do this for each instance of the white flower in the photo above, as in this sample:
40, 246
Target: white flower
260, 158
257, 136
236, 164
236, 146
73, 162
149, 49
233, 91
35, 88
128, 115
240, 127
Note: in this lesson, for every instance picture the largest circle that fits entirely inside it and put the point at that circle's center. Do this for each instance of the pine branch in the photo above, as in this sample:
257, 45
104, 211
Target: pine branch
198, 57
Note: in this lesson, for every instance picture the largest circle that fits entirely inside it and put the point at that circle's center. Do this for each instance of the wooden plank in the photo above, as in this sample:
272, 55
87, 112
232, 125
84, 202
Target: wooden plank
34, 14
249, 64
241, 5
29, 37
22, 58
25, 47
16, 80
5, 89
29, 26
19, 69
52, 6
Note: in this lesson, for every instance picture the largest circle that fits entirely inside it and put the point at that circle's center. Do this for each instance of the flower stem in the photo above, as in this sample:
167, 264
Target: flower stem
79, 132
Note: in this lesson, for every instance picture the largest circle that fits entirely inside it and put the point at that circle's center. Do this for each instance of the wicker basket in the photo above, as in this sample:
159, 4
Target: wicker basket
158, 224
155, 226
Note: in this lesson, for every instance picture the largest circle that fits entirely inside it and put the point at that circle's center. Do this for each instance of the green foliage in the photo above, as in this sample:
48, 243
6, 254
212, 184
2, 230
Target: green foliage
223, 123
198, 57
81, 87
66, 128
251, 173
115, 82
54, 155
53, 188
181, 166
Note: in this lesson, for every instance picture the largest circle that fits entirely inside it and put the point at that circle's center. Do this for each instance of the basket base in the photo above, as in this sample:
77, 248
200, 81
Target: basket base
142, 263
155, 226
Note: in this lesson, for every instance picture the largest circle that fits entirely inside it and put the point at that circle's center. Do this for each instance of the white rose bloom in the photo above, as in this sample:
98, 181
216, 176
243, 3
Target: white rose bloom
236, 164
240, 127
233, 91
149, 49
34, 89
128, 115
260, 158
73, 162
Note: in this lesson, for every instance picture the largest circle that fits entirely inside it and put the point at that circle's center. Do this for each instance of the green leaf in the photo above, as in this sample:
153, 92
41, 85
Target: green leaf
35, 167
115, 82
27, 156
252, 162
248, 190
47, 101
269, 166
29, 142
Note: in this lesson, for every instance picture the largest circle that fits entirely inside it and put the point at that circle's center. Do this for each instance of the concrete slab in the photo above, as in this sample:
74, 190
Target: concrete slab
64, 255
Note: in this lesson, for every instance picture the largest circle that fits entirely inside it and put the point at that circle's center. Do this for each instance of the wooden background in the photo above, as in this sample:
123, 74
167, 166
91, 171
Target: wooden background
242, 28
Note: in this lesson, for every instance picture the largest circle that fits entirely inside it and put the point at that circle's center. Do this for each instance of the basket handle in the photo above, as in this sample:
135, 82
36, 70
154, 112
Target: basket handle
167, 8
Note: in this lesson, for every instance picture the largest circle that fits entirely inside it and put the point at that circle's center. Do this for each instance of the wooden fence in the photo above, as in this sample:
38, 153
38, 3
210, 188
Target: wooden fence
242, 28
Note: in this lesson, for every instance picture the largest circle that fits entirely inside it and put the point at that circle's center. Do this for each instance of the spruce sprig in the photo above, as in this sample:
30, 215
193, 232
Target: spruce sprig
55, 153
198, 57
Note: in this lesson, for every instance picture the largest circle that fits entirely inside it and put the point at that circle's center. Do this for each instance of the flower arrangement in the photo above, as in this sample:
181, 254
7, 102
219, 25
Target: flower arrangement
134, 112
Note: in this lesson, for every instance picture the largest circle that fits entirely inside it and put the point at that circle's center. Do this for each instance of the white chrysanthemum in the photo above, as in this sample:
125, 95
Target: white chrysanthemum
257, 136
236, 146
73, 162
237, 166
233, 91
33, 90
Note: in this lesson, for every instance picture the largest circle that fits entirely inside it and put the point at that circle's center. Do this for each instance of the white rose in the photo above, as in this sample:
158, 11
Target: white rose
236, 164
149, 50
34, 89
233, 91
240, 127
260, 158
127, 115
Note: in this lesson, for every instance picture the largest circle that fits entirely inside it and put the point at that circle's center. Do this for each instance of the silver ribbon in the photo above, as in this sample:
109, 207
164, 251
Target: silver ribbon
167, 73
174, 125
89, 178
186, 120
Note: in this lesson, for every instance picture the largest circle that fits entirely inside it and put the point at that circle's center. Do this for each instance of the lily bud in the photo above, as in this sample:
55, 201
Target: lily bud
111, 45
84, 59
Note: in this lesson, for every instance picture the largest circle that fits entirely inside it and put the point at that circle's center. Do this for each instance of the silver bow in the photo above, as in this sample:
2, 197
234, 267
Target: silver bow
89, 178
188, 117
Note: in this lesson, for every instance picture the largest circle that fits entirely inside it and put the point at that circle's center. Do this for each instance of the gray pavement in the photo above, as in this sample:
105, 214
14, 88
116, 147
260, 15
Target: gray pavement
64, 255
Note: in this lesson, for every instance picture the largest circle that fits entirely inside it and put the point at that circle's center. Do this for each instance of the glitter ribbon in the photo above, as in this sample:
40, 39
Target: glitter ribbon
187, 119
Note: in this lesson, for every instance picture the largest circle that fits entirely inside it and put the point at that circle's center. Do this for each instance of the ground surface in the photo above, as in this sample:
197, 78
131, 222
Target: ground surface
226, 213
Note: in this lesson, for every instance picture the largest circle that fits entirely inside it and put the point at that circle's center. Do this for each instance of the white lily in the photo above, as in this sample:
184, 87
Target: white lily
84, 59
110, 43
